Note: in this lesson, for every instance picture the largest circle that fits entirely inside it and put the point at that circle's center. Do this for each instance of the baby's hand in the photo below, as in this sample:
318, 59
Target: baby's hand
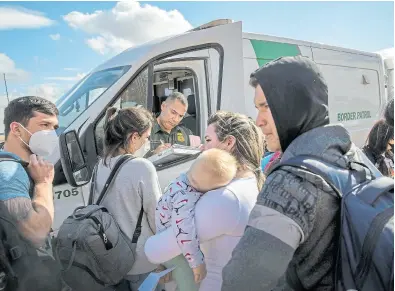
199, 273
166, 278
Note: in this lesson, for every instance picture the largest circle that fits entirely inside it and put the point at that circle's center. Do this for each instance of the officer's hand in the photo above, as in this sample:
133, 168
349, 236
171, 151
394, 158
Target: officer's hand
161, 148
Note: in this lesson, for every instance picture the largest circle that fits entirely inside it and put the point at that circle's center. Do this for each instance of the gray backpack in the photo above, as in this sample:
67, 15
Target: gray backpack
365, 257
93, 250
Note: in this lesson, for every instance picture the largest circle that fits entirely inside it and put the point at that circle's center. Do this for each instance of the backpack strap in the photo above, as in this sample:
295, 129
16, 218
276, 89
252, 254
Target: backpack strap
120, 162
110, 178
338, 178
137, 231
93, 185
5, 157
375, 189
391, 283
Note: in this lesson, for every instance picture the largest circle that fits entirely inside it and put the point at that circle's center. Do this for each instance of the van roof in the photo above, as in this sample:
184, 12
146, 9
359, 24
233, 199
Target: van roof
258, 36
131, 55
388, 56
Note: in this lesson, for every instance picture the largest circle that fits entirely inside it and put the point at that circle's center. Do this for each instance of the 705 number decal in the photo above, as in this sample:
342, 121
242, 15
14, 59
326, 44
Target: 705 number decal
66, 193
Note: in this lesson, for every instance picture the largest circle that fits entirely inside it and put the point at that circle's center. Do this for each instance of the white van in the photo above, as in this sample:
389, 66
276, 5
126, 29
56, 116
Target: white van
211, 65
389, 68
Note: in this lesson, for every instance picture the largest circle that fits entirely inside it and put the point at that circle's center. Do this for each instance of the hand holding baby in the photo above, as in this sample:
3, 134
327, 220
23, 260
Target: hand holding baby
199, 273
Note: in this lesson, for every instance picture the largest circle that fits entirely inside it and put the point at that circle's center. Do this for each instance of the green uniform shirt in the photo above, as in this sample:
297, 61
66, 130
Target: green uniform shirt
178, 135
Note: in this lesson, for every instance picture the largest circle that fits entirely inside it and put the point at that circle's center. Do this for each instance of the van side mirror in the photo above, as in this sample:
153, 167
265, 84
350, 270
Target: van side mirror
72, 159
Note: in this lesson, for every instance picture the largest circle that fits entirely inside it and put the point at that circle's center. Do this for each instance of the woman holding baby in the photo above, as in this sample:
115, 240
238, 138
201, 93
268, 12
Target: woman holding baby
221, 188
220, 207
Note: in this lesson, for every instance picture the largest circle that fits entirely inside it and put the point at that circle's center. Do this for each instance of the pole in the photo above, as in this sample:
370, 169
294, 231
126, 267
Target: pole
6, 89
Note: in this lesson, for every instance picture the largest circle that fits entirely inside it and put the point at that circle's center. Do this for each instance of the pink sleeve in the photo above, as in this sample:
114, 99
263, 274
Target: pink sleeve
217, 213
184, 227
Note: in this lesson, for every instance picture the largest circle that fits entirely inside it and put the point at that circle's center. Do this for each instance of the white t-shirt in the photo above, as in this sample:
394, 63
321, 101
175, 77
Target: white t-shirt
221, 217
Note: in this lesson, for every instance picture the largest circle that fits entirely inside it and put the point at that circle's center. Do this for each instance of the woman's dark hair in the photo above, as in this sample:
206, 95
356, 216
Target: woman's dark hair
379, 137
120, 125
389, 112
248, 149
377, 143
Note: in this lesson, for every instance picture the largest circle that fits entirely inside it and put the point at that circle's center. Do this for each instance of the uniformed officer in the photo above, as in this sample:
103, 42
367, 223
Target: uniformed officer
166, 130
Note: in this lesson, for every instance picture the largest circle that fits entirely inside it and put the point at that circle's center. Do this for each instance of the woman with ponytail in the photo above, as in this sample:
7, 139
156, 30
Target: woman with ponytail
221, 215
135, 186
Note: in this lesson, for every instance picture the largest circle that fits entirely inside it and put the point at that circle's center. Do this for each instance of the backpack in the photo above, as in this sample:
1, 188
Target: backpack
365, 256
21, 268
93, 250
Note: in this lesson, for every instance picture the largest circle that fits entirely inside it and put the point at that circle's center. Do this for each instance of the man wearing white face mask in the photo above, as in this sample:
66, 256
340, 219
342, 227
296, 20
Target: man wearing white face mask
30, 124
26, 196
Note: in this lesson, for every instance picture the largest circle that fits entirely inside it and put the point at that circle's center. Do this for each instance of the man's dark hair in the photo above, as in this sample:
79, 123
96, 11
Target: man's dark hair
177, 96
23, 108
253, 81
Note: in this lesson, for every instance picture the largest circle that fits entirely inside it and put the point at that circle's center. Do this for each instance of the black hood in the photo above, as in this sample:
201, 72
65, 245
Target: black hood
297, 95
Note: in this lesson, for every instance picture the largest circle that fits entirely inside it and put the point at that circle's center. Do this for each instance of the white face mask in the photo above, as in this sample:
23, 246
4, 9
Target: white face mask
42, 143
143, 150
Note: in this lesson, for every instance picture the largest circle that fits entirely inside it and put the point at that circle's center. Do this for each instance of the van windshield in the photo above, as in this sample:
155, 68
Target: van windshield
83, 94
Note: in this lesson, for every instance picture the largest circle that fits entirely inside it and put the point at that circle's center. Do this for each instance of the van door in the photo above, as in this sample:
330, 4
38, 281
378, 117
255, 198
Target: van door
355, 87
183, 73
192, 78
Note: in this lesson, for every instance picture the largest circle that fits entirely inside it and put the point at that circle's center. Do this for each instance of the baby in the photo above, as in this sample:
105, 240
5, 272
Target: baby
213, 169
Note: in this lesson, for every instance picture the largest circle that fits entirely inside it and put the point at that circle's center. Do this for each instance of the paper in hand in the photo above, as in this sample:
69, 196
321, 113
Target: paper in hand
152, 280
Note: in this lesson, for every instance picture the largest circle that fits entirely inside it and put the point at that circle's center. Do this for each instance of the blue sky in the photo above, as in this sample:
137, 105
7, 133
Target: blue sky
82, 38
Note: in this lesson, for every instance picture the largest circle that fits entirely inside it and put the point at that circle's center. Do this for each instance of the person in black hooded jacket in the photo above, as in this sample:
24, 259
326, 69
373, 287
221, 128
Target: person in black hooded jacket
292, 228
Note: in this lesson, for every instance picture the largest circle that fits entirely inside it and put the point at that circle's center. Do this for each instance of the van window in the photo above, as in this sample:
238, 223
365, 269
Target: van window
135, 94
170, 80
81, 96
195, 73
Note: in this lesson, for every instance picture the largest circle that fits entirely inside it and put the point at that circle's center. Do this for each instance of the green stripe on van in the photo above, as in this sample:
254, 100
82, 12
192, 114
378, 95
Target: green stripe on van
267, 51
